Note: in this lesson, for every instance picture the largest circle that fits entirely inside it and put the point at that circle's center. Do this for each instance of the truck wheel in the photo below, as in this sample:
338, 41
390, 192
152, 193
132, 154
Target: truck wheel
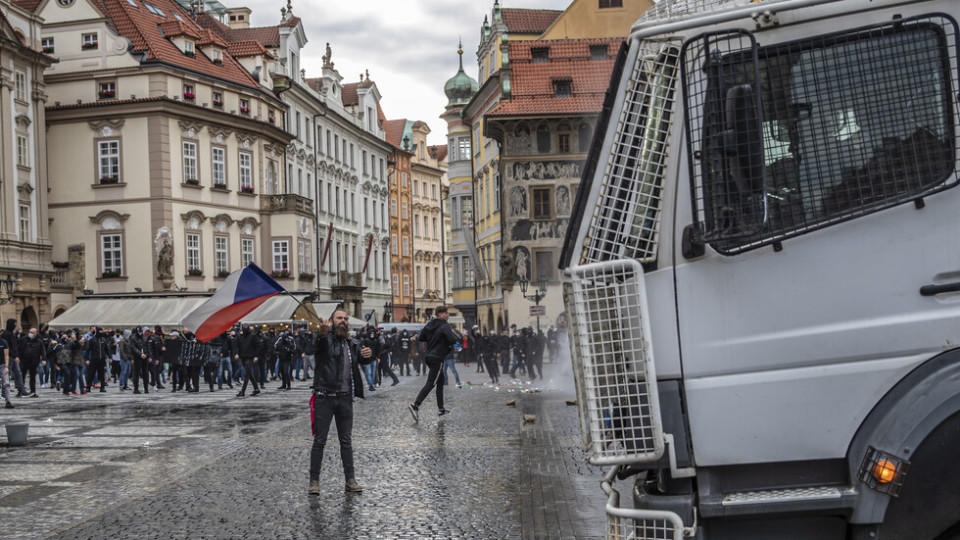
928, 507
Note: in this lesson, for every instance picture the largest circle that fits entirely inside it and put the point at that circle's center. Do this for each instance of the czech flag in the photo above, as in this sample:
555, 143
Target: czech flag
242, 292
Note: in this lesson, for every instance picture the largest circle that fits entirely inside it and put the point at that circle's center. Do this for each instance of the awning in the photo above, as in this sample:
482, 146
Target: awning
169, 311
165, 311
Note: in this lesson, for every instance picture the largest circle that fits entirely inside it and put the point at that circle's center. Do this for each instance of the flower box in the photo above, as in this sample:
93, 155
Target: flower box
109, 180
189, 96
60, 264
218, 61
220, 186
48, 50
90, 45
192, 181
223, 273
218, 104
307, 276
244, 110
246, 189
195, 272
280, 274
110, 274
191, 54
107, 94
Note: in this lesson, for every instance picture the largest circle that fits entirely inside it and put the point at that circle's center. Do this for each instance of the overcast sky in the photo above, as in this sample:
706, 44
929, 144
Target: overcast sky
409, 46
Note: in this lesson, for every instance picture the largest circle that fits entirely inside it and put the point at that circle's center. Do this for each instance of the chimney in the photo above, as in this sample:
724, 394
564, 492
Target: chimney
238, 18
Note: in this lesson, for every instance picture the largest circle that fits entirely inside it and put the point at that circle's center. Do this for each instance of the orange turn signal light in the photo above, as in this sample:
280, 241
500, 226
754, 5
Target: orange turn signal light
885, 471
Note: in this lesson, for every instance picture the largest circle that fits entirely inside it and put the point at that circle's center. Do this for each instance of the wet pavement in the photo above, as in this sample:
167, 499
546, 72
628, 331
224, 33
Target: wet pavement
213, 466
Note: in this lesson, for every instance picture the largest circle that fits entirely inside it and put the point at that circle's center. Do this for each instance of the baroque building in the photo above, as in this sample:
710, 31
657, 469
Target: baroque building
399, 135
427, 173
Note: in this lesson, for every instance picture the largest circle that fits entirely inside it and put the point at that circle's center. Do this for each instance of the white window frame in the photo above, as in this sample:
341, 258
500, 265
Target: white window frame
218, 159
193, 251
281, 255
23, 151
111, 252
108, 159
221, 254
246, 169
247, 251
305, 257
190, 161
26, 230
20, 85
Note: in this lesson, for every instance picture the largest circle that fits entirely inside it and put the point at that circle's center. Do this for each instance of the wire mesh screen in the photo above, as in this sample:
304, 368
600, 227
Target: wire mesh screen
632, 528
617, 392
794, 137
626, 217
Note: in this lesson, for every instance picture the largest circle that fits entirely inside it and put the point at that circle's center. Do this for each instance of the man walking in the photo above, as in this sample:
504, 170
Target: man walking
336, 382
440, 337
32, 352
248, 351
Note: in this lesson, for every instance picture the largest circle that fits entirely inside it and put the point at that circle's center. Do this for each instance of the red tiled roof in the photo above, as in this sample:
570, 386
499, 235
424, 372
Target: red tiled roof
177, 28
207, 37
529, 21
438, 152
269, 36
29, 5
142, 28
531, 83
240, 49
349, 95
394, 131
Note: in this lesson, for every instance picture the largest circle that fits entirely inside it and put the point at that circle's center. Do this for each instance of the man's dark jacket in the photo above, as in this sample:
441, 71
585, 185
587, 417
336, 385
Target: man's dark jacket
440, 337
329, 364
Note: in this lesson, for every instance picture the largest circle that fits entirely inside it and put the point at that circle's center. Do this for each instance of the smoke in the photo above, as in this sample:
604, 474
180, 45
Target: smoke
558, 374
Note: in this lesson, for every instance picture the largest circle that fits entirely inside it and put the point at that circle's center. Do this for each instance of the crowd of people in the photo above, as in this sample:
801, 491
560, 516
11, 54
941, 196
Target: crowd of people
141, 359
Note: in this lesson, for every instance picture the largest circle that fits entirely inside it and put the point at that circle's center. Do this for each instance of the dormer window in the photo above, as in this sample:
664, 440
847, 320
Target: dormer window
154, 9
88, 41
188, 48
598, 52
107, 90
217, 57
47, 45
540, 54
610, 4
245, 107
188, 93
218, 100
562, 87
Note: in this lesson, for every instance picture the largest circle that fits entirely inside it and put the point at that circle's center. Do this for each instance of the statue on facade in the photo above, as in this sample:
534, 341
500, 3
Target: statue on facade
327, 63
165, 261
507, 268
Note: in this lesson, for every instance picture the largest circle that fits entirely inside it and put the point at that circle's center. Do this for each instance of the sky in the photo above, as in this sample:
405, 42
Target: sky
408, 46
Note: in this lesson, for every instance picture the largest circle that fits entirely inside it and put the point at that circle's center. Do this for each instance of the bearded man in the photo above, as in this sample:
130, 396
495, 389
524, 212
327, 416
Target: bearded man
336, 381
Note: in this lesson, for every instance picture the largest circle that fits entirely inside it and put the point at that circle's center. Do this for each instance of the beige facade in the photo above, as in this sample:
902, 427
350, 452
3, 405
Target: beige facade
427, 174
588, 19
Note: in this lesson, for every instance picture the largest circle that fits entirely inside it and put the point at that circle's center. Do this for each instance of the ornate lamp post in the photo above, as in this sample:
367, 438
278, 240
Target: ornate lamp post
7, 288
539, 294
387, 311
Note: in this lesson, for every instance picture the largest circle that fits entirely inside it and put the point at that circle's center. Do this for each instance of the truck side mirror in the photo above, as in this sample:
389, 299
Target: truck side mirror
743, 140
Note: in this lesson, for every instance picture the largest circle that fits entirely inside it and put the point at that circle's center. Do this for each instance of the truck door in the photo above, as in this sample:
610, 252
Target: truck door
821, 174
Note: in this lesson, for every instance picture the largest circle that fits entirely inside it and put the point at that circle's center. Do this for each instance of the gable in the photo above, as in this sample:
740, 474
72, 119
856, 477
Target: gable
53, 11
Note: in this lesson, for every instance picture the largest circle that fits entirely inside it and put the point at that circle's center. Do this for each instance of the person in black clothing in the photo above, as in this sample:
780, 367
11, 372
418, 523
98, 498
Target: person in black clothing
488, 350
193, 354
13, 342
440, 338
141, 360
32, 352
403, 352
154, 349
268, 356
98, 349
286, 347
387, 345
248, 350
336, 382
5, 373
170, 355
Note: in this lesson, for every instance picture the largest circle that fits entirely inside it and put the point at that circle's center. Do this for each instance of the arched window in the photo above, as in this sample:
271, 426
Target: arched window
543, 139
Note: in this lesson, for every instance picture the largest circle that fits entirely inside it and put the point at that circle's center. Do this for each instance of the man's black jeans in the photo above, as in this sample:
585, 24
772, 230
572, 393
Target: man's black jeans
325, 409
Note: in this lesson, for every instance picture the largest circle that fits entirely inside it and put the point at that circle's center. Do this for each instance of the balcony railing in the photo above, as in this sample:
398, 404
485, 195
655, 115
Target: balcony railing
349, 279
286, 203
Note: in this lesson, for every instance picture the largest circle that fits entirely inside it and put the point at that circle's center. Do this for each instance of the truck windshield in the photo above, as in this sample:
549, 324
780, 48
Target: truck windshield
849, 124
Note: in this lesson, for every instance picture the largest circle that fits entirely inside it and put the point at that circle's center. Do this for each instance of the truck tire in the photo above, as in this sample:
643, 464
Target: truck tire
928, 506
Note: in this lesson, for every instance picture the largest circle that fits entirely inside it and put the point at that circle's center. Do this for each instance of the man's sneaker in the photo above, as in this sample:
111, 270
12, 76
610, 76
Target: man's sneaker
415, 411
33, 395
315, 487
443, 412
10, 405
58, 385
352, 486
395, 382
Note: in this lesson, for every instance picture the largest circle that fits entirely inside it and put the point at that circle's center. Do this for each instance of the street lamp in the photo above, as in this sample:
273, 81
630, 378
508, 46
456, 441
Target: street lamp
7, 288
387, 311
536, 297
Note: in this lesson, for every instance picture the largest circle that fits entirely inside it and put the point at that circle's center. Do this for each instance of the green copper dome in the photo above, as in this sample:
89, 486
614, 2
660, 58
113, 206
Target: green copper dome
461, 87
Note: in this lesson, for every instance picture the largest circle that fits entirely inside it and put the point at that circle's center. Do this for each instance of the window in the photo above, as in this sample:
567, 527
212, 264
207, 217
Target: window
23, 151
540, 54
366, 211
464, 148
562, 88
25, 233
246, 251
88, 41
403, 177
188, 48
393, 208
193, 252
47, 45
433, 229
352, 152
107, 90
433, 191
246, 170
541, 203
108, 158
111, 254
416, 225
403, 205
20, 86
190, 162
281, 255
496, 192
406, 246
353, 207
419, 273
245, 107
345, 158
336, 201
544, 261
216, 57
305, 257
221, 259
416, 187
363, 161
563, 143
406, 285
218, 100
394, 245
328, 143
218, 156
297, 125
598, 52
336, 148
543, 139
153, 9
604, 4
828, 144
396, 285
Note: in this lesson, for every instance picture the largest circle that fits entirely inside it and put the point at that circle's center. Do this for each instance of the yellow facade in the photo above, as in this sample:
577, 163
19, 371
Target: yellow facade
584, 19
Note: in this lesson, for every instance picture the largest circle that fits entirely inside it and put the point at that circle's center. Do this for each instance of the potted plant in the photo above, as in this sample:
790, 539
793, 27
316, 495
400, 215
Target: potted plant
195, 272
280, 274
244, 110
307, 276
110, 274
246, 189
60, 264
191, 54
219, 186
218, 103
223, 273
192, 181
107, 94
218, 61
189, 96
109, 180
89, 45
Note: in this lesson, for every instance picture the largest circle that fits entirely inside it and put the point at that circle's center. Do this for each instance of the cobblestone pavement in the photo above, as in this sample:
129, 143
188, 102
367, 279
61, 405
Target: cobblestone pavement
213, 466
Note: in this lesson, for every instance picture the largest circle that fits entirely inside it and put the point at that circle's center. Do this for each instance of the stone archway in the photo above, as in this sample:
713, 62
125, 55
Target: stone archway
499, 322
28, 318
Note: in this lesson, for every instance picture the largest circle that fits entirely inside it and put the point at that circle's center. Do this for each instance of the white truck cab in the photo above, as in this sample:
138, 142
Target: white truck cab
763, 273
